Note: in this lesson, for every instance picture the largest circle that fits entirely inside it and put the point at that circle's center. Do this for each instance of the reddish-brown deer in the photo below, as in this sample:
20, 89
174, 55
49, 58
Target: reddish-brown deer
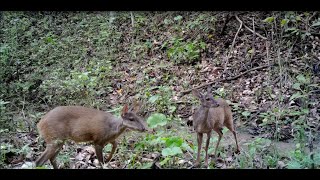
82, 124
212, 114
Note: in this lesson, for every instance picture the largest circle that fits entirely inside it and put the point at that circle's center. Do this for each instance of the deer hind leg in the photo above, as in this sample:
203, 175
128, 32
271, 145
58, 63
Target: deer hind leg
53, 158
206, 148
199, 140
114, 147
231, 128
219, 131
99, 149
50, 153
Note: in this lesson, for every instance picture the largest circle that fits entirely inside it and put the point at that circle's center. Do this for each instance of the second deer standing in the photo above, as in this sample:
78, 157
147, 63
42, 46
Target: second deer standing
212, 114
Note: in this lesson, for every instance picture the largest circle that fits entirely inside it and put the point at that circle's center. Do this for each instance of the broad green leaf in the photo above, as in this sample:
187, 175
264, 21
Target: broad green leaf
314, 85
41, 167
305, 111
284, 22
246, 113
147, 165
301, 79
295, 113
316, 159
167, 21
296, 86
316, 24
174, 142
225, 130
176, 150
172, 151
172, 109
156, 119
163, 162
294, 165
154, 98
166, 152
177, 18
269, 19
296, 95
202, 45
298, 18
186, 146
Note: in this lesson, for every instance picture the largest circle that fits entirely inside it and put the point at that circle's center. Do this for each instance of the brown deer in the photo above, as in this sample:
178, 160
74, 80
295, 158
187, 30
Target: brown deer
82, 124
212, 114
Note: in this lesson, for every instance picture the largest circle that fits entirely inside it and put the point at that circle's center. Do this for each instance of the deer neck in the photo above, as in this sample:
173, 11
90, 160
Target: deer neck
121, 127
206, 112
118, 127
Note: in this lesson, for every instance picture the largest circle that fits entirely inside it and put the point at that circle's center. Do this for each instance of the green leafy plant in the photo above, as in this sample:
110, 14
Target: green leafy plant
300, 159
162, 99
157, 119
185, 52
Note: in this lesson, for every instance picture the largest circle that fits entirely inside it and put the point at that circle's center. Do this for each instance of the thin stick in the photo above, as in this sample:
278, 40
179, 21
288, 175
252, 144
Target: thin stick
250, 29
132, 19
226, 79
231, 49
234, 39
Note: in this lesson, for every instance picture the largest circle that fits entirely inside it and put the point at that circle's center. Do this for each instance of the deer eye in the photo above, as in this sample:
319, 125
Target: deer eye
130, 118
207, 98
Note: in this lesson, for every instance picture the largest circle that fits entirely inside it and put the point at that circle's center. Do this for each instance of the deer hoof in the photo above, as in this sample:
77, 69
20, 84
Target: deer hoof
197, 164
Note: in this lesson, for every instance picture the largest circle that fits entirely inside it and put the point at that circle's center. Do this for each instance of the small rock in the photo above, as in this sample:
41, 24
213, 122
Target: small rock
27, 165
280, 165
181, 162
146, 160
96, 162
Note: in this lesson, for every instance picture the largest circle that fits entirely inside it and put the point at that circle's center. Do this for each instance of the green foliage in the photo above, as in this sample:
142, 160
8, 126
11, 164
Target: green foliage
221, 92
300, 159
257, 149
269, 19
6, 148
156, 119
184, 52
49, 59
162, 99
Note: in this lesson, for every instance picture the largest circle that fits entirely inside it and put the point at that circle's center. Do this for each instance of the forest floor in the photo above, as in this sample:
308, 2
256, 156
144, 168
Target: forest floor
266, 64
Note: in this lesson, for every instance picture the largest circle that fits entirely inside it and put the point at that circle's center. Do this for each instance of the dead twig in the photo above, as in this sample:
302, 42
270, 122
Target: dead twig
253, 41
250, 29
231, 49
132, 19
226, 79
234, 39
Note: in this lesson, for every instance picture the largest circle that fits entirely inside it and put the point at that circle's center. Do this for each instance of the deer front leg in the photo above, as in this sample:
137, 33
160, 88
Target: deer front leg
206, 148
199, 139
219, 131
114, 147
98, 149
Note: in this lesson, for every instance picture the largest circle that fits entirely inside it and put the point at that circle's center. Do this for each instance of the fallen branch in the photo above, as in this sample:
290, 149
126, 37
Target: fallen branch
231, 49
132, 19
226, 79
250, 29
235, 37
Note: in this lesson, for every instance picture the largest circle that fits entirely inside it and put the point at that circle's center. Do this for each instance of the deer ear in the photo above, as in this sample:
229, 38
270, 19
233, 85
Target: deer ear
196, 93
135, 107
124, 110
